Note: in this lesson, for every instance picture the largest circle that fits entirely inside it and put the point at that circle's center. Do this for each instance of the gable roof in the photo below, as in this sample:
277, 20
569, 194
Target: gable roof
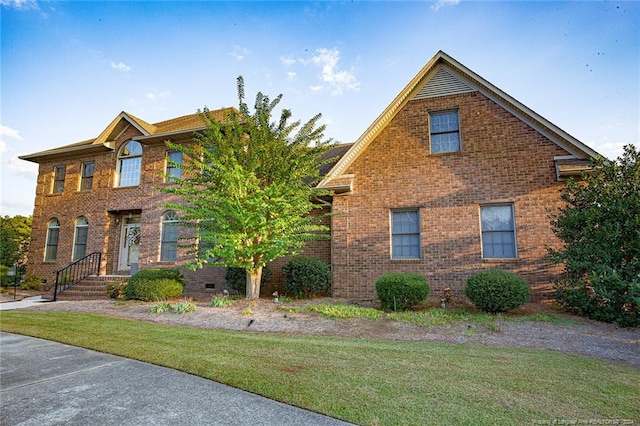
105, 141
442, 76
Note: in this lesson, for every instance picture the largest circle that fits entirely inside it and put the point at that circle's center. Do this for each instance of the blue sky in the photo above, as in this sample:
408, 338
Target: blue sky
68, 68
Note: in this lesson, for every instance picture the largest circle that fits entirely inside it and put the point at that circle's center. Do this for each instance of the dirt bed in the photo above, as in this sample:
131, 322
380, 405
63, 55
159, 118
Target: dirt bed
584, 337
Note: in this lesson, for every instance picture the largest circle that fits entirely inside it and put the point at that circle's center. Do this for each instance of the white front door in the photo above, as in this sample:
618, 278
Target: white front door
129, 246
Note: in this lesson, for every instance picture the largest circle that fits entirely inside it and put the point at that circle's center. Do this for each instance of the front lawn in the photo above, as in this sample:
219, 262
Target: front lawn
366, 381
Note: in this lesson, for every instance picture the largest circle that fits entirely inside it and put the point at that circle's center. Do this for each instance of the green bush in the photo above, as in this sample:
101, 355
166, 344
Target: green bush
236, 278
400, 291
495, 290
31, 282
603, 296
155, 284
306, 277
115, 289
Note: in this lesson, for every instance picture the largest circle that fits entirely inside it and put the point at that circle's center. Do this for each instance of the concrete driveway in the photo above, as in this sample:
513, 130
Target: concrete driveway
48, 383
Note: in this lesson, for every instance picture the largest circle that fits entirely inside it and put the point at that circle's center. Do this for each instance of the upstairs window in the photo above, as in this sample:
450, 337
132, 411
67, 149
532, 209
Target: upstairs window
80, 239
51, 247
59, 173
444, 131
498, 231
174, 158
169, 239
129, 164
86, 179
405, 234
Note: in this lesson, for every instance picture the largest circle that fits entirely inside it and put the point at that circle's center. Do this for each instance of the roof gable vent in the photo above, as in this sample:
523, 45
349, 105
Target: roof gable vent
443, 83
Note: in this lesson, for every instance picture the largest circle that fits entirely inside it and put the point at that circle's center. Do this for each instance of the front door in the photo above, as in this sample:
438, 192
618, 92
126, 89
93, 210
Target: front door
129, 246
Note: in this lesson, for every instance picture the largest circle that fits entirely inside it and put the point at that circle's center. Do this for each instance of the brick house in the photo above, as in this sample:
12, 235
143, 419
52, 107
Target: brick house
453, 177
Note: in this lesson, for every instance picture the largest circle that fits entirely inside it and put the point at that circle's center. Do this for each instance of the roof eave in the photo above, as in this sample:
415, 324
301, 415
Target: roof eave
64, 152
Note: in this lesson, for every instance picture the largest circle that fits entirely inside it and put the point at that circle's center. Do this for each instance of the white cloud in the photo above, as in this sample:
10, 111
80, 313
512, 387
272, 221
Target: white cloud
120, 66
3, 146
315, 88
8, 131
154, 95
291, 75
22, 167
20, 4
339, 80
287, 60
442, 3
239, 52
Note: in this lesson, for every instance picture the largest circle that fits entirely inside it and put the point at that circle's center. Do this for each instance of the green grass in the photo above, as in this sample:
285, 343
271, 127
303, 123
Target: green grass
427, 317
365, 381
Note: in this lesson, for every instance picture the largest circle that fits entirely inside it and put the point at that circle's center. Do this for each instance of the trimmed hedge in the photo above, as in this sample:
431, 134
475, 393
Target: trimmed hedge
307, 277
400, 291
236, 278
155, 284
495, 290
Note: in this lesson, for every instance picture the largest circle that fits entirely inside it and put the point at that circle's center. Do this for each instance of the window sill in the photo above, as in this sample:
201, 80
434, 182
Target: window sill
500, 260
440, 154
406, 260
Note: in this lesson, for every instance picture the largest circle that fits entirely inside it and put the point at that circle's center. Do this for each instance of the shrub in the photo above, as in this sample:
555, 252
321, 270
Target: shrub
183, 307
306, 277
603, 296
221, 302
495, 290
236, 278
155, 284
400, 291
159, 308
31, 282
115, 289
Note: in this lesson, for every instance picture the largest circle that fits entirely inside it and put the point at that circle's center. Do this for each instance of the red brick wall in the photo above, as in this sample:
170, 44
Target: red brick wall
104, 203
502, 160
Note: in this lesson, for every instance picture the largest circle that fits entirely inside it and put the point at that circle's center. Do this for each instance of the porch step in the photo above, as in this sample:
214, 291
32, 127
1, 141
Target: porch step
91, 288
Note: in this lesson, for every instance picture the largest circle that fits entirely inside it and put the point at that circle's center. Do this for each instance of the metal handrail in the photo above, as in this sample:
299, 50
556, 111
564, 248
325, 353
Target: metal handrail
75, 272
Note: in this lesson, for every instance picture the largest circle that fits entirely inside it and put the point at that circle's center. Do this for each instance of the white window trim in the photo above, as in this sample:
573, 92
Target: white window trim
444, 111
162, 225
120, 159
82, 179
75, 236
46, 243
515, 235
391, 234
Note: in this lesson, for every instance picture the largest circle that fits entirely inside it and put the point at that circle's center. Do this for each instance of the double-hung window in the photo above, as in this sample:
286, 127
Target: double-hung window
129, 164
59, 173
498, 231
444, 129
51, 246
174, 159
169, 239
405, 234
80, 238
86, 179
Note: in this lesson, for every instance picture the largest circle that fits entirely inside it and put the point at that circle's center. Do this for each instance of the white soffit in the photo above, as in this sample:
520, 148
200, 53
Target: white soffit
443, 83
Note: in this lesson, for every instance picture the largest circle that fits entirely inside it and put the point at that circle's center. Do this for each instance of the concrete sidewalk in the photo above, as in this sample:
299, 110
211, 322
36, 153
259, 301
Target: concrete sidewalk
24, 303
47, 383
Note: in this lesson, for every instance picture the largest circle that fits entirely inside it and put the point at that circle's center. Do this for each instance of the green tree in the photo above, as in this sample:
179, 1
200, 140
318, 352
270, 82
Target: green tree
15, 233
248, 187
600, 230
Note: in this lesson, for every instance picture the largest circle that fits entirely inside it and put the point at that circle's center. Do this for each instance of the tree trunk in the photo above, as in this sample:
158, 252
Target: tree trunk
253, 283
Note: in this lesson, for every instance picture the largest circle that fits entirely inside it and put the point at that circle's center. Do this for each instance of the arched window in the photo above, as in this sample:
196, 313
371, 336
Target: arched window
169, 241
51, 247
129, 164
80, 239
